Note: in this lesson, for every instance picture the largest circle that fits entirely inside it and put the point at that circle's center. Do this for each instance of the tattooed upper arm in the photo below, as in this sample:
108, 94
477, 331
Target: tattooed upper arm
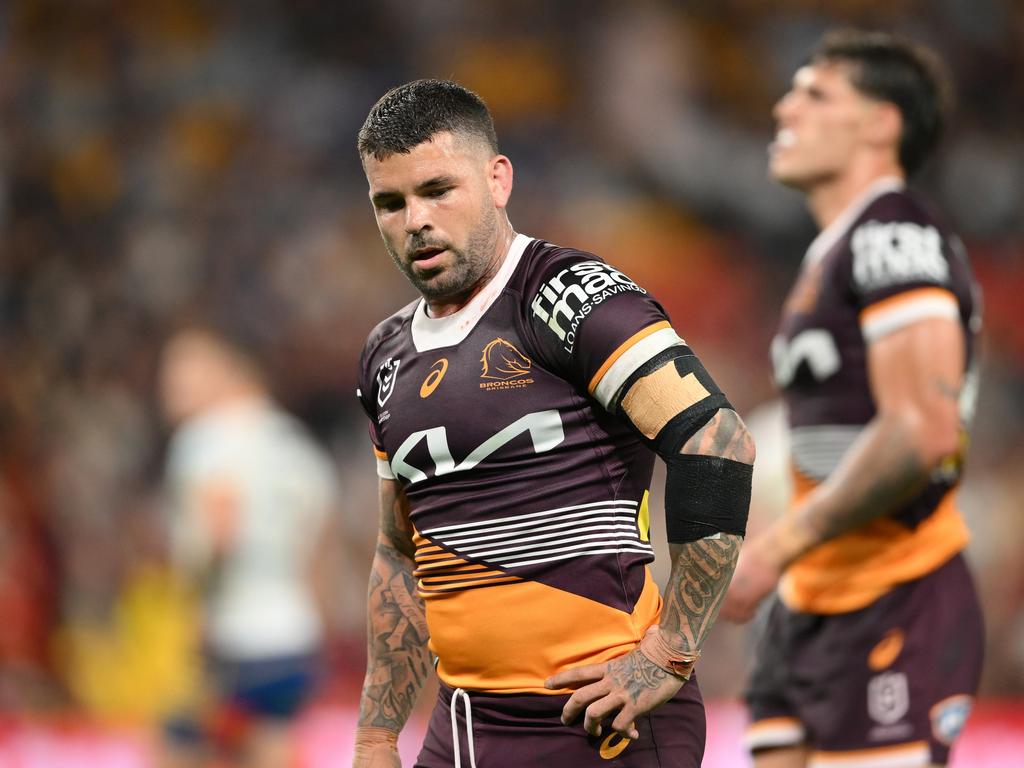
395, 527
725, 435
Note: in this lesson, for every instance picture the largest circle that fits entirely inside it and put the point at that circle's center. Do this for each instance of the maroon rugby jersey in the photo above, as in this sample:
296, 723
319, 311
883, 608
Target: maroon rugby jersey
527, 496
884, 264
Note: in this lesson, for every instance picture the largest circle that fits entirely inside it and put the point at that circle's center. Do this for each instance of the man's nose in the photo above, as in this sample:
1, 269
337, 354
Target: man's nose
417, 216
784, 107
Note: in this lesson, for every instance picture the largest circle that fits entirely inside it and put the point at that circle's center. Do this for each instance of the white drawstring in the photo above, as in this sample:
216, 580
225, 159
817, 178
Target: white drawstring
469, 728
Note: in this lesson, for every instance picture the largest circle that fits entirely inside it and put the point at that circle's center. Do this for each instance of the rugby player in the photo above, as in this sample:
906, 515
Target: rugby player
872, 648
516, 410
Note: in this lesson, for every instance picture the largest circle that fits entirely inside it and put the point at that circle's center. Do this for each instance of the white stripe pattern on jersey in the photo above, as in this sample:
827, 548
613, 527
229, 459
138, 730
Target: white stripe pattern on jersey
818, 450
580, 530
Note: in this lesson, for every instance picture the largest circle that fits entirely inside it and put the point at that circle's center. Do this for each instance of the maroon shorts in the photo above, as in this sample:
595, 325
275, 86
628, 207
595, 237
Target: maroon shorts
894, 680
517, 730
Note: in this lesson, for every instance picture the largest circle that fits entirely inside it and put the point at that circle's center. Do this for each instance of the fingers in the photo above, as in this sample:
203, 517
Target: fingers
573, 678
581, 700
624, 726
600, 697
597, 712
598, 706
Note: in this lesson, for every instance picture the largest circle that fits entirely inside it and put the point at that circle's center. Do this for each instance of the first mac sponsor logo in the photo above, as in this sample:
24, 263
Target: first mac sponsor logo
568, 297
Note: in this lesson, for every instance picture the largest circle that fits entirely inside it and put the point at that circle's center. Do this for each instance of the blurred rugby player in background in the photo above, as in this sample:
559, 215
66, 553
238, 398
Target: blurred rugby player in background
872, 650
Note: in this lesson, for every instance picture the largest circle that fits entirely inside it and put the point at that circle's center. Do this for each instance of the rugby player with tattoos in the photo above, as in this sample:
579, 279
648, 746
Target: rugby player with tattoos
516, 411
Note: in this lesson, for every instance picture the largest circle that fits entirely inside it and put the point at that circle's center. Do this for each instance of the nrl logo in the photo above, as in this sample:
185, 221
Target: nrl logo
386, 375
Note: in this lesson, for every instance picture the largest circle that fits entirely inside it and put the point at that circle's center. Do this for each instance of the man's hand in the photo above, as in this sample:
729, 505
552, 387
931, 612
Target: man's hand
631, 685
376, 748
756, 576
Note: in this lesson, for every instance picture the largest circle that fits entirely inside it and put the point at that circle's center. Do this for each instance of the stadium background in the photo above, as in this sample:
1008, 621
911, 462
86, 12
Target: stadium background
165, 158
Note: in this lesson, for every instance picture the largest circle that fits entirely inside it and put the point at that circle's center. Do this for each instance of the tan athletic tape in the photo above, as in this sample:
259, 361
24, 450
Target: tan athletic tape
658, 397
375, 747
673, 661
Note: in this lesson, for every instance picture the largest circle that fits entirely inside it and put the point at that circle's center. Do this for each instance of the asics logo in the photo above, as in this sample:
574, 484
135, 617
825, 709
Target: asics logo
437, 372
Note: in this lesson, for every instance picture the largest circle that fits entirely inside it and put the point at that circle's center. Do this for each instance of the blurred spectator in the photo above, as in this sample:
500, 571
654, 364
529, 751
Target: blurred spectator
253, 526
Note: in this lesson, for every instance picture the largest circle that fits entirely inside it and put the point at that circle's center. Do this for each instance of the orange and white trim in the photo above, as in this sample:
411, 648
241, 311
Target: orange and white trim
892, 314
630, 355
911, 755
383, 465
774, 732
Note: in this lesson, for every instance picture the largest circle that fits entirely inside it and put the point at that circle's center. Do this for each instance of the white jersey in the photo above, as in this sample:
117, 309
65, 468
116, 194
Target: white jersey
251, 474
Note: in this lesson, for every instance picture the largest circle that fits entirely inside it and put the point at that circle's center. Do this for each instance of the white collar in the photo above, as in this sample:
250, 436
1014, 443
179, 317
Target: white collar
436, 332
828, 237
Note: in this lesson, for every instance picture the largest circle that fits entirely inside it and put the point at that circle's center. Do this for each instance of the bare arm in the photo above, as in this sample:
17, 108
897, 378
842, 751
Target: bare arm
633, 684
701, 569
398, 661
915, 377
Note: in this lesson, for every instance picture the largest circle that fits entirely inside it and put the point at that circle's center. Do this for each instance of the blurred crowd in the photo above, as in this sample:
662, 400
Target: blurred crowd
163, 160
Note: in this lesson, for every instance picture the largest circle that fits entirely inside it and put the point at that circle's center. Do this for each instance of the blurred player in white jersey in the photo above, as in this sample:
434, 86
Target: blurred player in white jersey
251, 501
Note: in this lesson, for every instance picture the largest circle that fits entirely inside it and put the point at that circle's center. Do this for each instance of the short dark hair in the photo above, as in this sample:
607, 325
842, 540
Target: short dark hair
411, 114
910, 76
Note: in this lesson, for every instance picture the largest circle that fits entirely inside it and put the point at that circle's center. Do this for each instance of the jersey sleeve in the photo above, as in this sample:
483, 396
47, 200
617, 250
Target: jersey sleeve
366, 394
900, 272
594, 325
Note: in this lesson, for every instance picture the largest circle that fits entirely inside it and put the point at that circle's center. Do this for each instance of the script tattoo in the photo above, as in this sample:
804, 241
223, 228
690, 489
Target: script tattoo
398, 660
701, 571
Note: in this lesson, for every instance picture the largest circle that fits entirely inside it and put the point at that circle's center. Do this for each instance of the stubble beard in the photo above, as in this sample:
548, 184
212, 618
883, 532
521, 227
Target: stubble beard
467, 267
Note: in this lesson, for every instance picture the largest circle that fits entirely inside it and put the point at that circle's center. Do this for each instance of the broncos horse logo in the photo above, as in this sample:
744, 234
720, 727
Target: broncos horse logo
504, 362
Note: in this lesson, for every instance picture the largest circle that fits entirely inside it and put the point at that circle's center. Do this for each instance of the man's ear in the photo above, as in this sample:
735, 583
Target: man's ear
885, 125
499, 179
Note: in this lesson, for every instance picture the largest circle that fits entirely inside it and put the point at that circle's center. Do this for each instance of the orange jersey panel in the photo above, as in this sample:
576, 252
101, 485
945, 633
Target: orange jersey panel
855, 569
523, 632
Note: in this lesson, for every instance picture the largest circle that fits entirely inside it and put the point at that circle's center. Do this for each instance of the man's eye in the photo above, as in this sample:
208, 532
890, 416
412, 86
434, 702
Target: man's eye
438, 192
390, 205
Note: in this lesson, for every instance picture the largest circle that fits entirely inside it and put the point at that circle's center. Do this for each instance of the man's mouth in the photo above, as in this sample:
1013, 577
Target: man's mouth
427, 258
784, 137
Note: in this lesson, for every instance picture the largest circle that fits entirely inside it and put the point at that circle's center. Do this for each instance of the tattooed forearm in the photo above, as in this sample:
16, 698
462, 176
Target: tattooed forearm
881, 471
398, 661
701, 570
700, 576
